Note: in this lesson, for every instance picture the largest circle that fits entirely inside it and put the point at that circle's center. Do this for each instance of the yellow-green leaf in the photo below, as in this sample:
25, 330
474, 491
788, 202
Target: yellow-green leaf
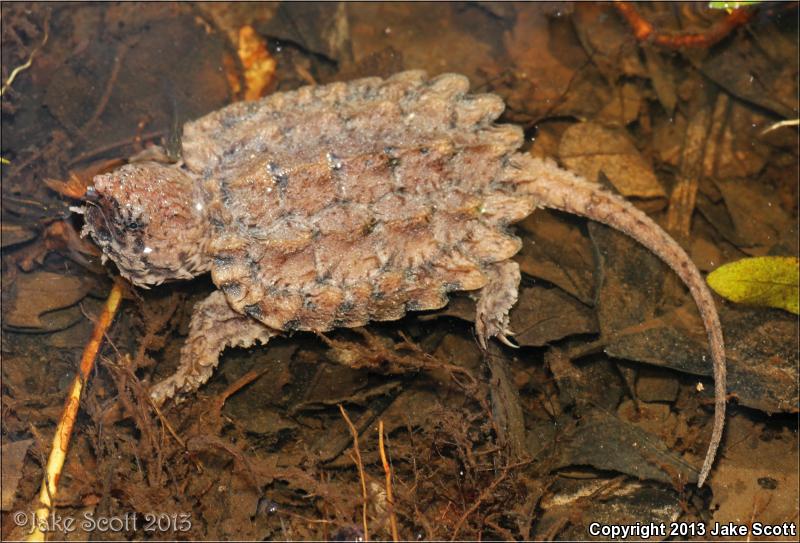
729, 5
771, 281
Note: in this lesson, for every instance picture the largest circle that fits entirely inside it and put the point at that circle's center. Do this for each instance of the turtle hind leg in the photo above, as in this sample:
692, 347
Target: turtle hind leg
214, 327
495, 301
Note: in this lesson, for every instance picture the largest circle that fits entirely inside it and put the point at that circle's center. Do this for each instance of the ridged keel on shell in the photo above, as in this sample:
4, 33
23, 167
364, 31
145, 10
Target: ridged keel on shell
384, 206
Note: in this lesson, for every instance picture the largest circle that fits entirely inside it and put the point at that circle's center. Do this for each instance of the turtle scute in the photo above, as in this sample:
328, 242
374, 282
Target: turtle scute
352, 202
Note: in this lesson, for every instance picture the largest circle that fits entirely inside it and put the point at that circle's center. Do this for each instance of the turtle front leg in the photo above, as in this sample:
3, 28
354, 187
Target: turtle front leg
495, 301
214, 327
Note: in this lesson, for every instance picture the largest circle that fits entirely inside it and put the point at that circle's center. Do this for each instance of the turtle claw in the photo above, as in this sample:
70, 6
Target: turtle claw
505, 340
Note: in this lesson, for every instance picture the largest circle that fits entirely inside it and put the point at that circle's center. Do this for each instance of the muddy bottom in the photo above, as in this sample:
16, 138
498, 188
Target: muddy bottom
406, 430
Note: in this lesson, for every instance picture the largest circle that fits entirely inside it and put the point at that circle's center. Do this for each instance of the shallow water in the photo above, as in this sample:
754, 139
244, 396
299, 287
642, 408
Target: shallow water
603, 414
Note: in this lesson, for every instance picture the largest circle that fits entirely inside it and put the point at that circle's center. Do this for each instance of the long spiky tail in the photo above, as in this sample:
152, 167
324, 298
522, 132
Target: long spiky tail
555, 188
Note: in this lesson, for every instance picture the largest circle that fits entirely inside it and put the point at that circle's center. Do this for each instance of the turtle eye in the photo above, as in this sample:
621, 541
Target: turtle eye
133, 225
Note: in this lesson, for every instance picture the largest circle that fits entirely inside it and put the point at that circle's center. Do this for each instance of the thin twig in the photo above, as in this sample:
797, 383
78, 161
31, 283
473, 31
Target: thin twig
645, 32
485, 494
235, 387
387, 469
115, 145
140, 392
780, 124
19, 69
101, 105
58, 452
360, 465
166, 424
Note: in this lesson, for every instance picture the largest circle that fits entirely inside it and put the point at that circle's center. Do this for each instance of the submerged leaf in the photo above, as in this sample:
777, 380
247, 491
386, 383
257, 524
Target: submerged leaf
590, 148
770, 281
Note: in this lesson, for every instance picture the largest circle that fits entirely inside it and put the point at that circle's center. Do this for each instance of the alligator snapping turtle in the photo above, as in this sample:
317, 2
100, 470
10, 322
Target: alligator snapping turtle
336, 205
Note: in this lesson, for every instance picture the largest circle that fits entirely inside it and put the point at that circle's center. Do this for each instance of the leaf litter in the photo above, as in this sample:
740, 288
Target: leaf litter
508, 444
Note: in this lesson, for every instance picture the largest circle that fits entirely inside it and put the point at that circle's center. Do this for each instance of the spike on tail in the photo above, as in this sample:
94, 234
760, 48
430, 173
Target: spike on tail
555, 188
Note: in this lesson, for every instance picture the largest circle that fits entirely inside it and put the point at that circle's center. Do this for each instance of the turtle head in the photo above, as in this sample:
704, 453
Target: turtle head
150, 219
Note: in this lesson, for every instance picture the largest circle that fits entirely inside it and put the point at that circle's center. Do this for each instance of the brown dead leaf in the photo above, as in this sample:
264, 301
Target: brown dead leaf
14, 234
59, 235
662, 78
546, 58
607, 40
630, 280
756, 478
33, 294
12, 455
736, 147
588, 149
555, 249
414, 408
760, 67
760, 346
544, 314
759, 222
74, 187
78, 180
733, 144
623, 109
667, 139
603, 441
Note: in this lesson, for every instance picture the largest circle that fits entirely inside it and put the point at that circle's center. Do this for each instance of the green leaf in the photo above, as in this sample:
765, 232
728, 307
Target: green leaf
771, 281
732, 5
